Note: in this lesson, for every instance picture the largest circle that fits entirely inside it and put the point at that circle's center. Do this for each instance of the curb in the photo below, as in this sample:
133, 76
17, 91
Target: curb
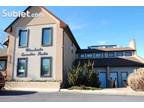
33, 90
104, 92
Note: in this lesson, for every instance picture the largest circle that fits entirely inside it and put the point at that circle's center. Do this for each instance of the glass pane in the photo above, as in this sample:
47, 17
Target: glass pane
98, 55
2, 65
82, 55
23, 37
47, 36
46, 67
128, 53
22, 66
111, 54
89, 55
119, 53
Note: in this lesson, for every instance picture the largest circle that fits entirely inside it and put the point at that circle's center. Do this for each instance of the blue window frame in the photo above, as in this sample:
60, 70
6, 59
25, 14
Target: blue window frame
23, 38
46, 67
47, 35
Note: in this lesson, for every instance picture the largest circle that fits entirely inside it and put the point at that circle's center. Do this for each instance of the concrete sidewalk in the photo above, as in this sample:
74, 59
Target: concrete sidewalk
114, 91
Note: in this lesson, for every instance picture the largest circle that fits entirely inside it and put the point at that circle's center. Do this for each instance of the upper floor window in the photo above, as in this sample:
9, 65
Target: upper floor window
128, 53
2, 65
23, 38
47, 34
98, 55
82, 55
110, 54
90, 55
120, 53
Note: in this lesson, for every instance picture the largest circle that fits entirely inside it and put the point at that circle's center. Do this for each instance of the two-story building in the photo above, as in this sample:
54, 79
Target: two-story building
42, 48
39, 48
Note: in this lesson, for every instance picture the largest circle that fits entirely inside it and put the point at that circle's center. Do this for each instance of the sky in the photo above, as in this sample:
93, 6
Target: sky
95, 25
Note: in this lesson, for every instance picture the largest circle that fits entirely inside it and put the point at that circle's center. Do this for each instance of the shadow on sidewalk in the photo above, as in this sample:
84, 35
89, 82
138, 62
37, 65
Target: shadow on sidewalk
15, 93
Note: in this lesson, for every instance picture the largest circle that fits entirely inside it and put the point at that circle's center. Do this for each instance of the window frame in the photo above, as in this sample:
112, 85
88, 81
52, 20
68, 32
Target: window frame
42, 39
111, 56
26, 67
80, 55
129, 52
89, 55
98, 55
5, 64
51, 65
117, 54
27, 43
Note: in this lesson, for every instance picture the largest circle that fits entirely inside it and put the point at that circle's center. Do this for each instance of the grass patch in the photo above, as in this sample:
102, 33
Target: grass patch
83, 88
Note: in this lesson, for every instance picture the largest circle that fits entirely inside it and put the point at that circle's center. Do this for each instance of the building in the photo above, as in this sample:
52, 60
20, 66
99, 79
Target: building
113, 63
43, 48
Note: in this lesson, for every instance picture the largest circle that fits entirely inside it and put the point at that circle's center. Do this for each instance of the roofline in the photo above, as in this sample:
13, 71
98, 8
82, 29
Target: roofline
67, 29
101, 50
17, 19
62, 25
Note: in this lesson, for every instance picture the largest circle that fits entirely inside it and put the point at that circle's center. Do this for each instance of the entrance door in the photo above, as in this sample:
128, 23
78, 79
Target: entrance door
124, 76
102, 78
114, 78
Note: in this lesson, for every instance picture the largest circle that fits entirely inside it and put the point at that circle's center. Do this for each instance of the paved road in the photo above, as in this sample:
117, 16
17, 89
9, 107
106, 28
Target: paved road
17, 96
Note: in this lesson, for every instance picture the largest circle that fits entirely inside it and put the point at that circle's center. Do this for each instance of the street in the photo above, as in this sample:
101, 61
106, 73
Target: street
23, 96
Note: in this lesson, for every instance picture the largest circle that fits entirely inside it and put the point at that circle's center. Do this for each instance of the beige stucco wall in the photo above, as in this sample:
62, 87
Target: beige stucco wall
69, 54
35, 25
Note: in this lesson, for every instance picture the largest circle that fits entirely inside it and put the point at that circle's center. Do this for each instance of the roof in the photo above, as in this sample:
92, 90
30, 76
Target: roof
105, 49
113, 62
62, 25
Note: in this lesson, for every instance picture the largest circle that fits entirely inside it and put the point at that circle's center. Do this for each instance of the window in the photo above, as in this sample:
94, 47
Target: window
82, 55
119, 53
98, 55
128, 53
22, 67
23, 38
110, 54
47, 36
89, 55
2, 65
46, 67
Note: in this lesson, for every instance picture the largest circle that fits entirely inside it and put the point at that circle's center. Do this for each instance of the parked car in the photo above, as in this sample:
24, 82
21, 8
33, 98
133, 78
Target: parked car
2, 80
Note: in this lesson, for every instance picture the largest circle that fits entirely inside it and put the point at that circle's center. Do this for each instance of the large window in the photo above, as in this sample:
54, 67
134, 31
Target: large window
98, 55
128, 53
22, 67
46, 67
82, 56
47, 34
2, 65
110, 54
23, 38
120, 53
90, 55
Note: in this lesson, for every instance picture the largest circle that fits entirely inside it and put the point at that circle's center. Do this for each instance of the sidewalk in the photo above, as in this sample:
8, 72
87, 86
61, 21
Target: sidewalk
114, 91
